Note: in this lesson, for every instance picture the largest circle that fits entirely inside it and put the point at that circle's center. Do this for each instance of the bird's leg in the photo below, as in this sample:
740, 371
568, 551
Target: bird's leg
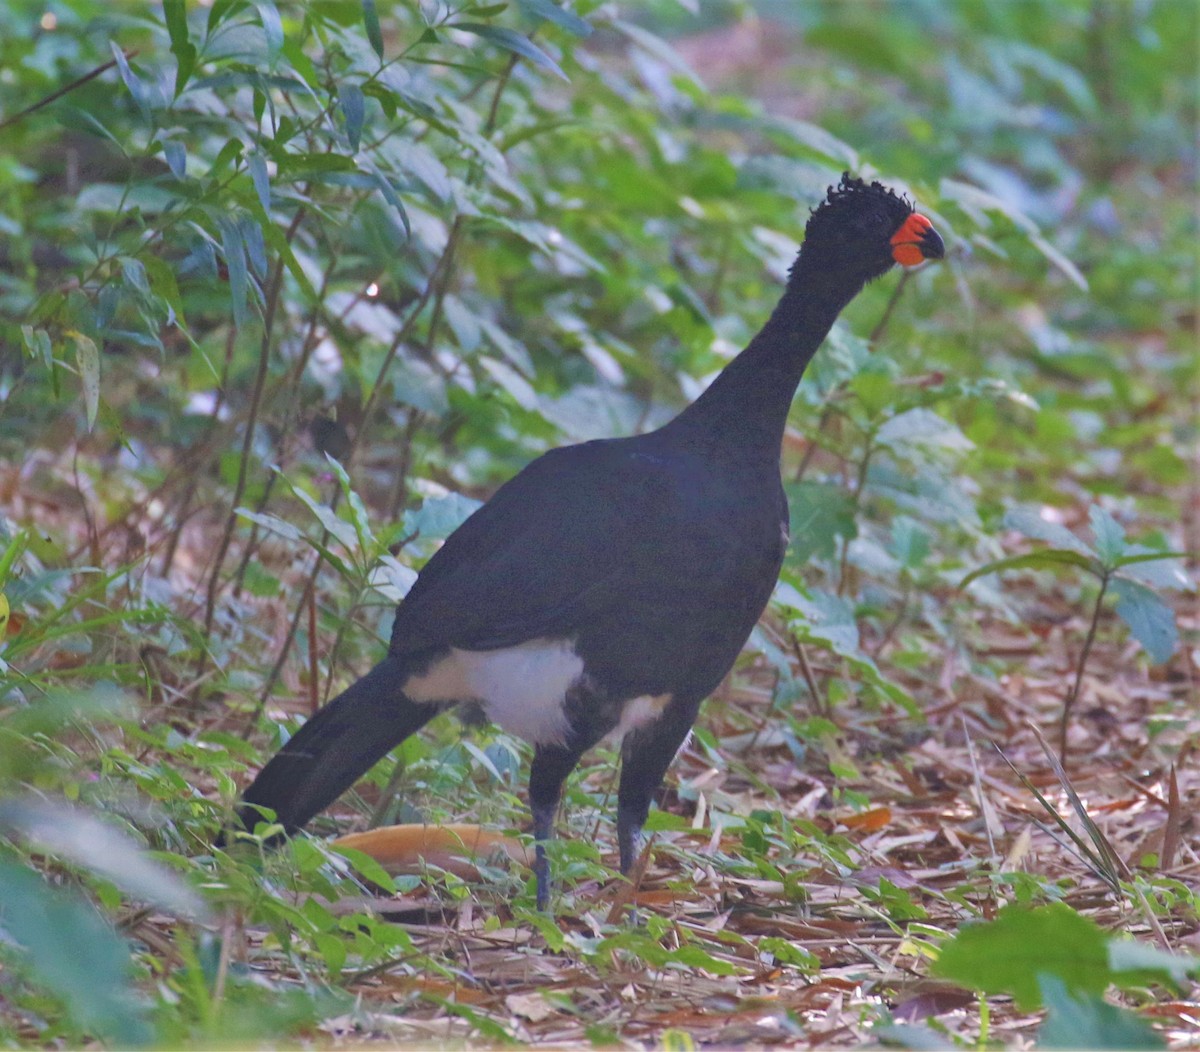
629, 834
543, 826
645, 756
551, 765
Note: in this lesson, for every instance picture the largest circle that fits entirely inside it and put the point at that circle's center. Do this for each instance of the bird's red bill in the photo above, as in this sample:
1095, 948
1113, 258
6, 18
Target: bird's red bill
916, 241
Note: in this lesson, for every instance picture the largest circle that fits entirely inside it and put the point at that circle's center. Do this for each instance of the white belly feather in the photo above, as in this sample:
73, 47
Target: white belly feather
522, 689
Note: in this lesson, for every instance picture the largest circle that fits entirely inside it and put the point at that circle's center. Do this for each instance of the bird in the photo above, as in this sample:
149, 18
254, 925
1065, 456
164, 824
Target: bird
606, 590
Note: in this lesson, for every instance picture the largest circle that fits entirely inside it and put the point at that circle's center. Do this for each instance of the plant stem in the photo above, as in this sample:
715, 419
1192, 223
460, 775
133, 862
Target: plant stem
260, 379
882, 324
1083, 656
856, 498
827, 412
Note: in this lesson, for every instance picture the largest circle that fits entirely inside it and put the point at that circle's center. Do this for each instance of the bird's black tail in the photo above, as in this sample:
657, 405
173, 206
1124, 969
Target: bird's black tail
335, 747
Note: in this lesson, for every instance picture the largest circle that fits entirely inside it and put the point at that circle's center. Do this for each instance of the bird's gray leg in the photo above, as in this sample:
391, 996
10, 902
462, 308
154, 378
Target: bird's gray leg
551, 765
645, 756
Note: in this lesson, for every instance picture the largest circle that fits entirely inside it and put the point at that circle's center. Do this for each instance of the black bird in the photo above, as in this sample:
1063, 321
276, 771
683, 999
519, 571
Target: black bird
608, 588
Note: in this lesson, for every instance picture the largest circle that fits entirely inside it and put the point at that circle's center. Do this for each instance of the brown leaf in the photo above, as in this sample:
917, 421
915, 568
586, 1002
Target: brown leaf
404, 848
531, 1006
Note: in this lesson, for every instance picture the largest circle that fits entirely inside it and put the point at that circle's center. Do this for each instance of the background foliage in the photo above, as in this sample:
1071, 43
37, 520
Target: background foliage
433, 240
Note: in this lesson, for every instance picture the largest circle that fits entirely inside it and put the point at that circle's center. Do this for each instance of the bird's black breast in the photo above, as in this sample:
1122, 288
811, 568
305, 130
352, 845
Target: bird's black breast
653, 561
704, 548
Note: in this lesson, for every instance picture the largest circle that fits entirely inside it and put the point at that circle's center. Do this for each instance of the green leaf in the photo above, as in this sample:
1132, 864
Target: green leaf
88, 359
268, 14
13, 548
785, 951
256, 163
332, 950
385, 187
976, 202
219, 11
1039, 560
74, 953
656, 46
1059, 260
419, 160
358, 510
137, 89
820, 514
134, 274
350, 100
1007, 955
37, 342
252, 238
694, 957
910, 543
175, 155
817, 140
1072, 82
391, 578
273, 523
921, 427
183, 50
828, 617
482, 759
1154, 568
874, 43
1138, 963
491, 1031
439, 517
339, 528
1088, 1021
514, 42
1151, 620
518, 388
234, 250
278, 241
366, 866
551, 12
1033, 525
1109, 534
81, 838
371, 24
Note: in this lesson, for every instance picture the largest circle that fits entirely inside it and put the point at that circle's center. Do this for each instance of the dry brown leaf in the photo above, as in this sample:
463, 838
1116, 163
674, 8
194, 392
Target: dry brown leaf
531, 1006
405, 848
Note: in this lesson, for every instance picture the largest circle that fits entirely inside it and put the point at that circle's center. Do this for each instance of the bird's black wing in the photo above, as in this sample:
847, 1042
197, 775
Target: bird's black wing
561, 540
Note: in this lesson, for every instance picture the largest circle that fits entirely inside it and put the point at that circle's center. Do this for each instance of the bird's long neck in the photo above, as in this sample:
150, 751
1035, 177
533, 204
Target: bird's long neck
744, 410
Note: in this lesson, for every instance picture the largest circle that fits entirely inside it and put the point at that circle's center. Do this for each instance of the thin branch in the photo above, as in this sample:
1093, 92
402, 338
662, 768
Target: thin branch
193, 475
810, 678
882, 324
827, 412
20, 115
314, 676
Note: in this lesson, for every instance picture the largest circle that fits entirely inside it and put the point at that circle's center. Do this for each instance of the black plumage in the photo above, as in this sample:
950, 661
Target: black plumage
609, 586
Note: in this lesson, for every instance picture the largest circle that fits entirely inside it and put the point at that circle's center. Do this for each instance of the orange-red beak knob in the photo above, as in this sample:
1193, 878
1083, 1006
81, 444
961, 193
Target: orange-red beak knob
916, 241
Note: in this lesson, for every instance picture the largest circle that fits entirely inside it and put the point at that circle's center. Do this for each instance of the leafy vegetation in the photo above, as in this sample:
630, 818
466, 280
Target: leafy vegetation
287, 288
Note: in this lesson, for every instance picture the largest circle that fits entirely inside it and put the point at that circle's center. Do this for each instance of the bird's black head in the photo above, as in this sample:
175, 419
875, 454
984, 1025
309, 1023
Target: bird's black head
861, 229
